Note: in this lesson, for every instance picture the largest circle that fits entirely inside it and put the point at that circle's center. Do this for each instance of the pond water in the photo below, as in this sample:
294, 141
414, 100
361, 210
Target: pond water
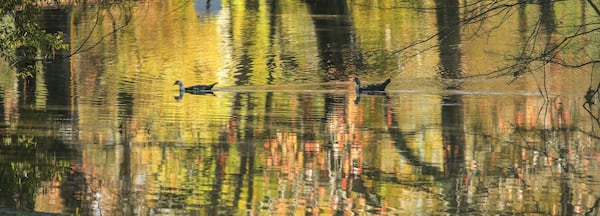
105, 132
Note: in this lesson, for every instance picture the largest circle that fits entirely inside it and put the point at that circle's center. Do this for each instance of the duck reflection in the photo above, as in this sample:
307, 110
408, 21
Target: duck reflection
376, 93
181, 94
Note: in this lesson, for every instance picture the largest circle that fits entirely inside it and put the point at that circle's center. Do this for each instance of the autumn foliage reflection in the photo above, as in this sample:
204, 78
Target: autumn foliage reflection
286, 133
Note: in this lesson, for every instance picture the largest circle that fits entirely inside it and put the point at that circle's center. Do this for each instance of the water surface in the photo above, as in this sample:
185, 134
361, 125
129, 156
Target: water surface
106, 133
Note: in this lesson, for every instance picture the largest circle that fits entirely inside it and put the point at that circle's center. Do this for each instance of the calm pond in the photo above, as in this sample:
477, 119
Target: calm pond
105, 131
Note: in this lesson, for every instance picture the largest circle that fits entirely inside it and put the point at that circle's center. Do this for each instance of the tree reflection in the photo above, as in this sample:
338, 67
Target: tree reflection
28, 161
336, 38
453, 135
295, 152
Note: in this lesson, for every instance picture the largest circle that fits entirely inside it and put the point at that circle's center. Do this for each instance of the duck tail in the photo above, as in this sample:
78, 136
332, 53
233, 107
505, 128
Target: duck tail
387, 81
212, 85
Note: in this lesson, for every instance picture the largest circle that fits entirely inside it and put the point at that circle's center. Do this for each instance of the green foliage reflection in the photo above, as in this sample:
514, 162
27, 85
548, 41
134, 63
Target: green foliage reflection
24, 166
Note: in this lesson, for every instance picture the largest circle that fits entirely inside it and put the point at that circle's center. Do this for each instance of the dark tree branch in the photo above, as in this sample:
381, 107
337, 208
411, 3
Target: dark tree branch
594, 6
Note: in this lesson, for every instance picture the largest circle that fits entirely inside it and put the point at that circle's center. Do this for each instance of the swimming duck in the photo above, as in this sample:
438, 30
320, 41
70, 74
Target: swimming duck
196, 89
371, 87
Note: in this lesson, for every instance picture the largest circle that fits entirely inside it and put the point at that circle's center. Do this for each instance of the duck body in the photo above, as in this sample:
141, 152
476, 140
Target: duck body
195, 89
371, 87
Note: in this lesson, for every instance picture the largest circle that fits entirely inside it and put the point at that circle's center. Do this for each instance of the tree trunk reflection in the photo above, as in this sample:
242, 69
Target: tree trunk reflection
334, 43
453, 135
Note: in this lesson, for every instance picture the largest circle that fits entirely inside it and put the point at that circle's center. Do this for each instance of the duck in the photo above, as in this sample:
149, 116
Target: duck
371, 87
195, 89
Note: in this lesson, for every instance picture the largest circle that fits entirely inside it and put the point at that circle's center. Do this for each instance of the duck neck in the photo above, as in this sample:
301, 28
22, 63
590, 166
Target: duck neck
357, 83
181, 87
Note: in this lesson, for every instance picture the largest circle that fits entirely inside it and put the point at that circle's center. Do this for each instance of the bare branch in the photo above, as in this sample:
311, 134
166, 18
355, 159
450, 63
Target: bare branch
594, 6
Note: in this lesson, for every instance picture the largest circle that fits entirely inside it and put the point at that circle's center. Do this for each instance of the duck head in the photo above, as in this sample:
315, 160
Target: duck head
357, 80
178, 82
